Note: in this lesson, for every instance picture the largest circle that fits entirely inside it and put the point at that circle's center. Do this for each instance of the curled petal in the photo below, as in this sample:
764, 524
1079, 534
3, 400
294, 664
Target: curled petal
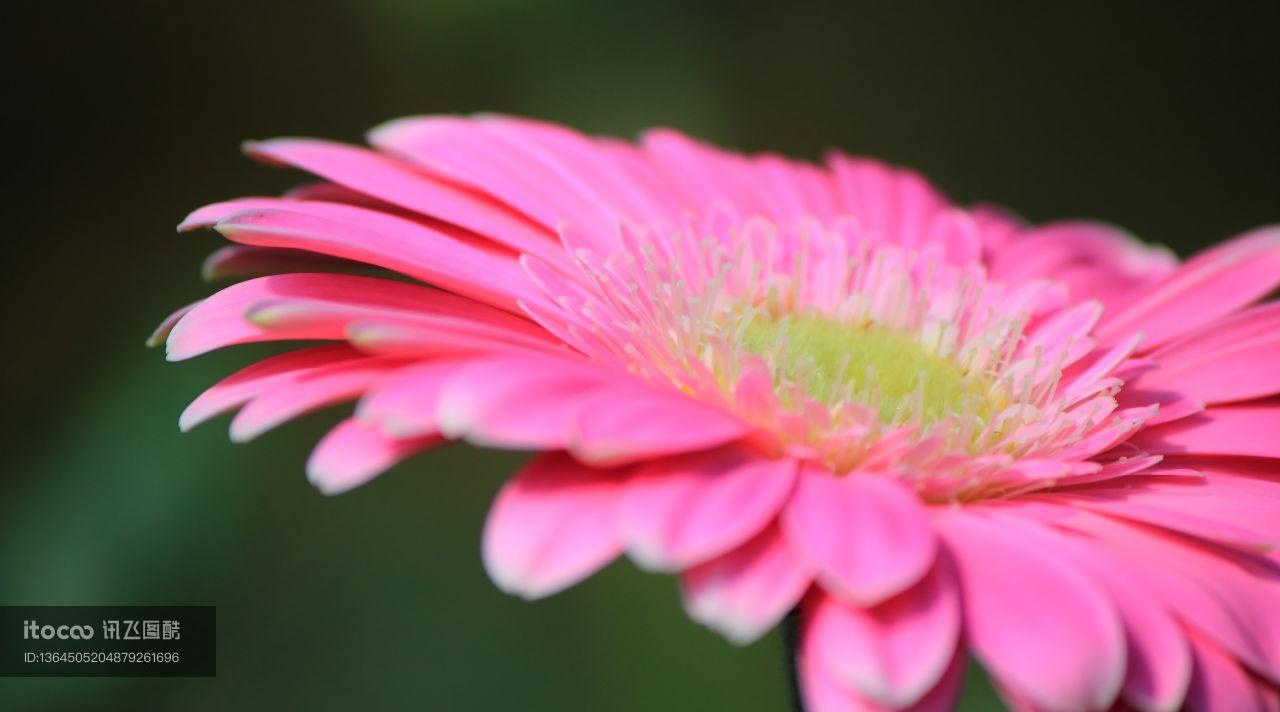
354, 453
823, 692
1043, 628
244, 385
745, 592
682, 511
895, 652
866, 536
552, 525
305, 392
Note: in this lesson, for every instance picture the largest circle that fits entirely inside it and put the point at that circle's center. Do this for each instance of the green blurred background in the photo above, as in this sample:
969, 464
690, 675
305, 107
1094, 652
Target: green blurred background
130, 113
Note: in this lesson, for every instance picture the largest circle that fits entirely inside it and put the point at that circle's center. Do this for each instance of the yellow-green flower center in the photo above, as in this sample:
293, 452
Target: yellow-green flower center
892, 372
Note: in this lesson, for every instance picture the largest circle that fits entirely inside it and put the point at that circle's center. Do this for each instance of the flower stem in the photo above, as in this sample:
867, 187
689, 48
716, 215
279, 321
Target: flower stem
790, 630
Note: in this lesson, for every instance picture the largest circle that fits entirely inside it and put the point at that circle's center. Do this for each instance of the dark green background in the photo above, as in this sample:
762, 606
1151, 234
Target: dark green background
129, 114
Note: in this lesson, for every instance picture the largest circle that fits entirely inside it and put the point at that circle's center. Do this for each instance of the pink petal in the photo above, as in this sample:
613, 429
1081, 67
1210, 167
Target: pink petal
894, 205
1219, 683
435, 255
823, 692
701, 174
891, 654
635, 424
1228, 596
162, 331
1061, 330
796, 190
404, 404
1241, 429
614, 169
308, 391
241, 261
522, 400
1220, 496
682, 511
321, 306
1237, 358
552, 525
243, 385
354, 453
403, 185
957, 233
1199, 514
1043, 628
745, 592
325, 191
1209, 286
1094, 260
484, 157
866, 536
420, 336
1158, 656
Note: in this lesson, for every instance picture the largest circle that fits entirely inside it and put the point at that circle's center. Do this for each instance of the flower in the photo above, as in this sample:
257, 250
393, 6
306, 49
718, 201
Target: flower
933, 430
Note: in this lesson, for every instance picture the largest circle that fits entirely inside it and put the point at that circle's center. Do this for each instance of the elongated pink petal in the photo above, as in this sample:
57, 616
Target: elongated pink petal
1234, 359
1209, 286
893, 204
895, 652
1218, 683
1057, 333
552, 525
701, 175
243, 385
241, 261
321, 306
426, 336
432, 254
1158, 655
866, 536
1208, 517
1238, 429
744, 593
1230, 597
404, 404
1094, 260
614, 169
1220, 495
796, 191
403, 185
308, 391
957, 233
354, 453
1043, 628
483, 157
645, 423
164, 328
325, 191
682, 511
522, 401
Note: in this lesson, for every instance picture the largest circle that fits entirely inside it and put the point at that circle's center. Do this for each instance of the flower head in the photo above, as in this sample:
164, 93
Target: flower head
934, 430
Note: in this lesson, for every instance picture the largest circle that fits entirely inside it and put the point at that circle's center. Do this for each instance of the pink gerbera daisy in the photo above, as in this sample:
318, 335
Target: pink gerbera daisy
934, 431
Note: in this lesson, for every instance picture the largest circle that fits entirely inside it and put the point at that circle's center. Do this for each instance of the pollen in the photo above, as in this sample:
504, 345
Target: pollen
892, 372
